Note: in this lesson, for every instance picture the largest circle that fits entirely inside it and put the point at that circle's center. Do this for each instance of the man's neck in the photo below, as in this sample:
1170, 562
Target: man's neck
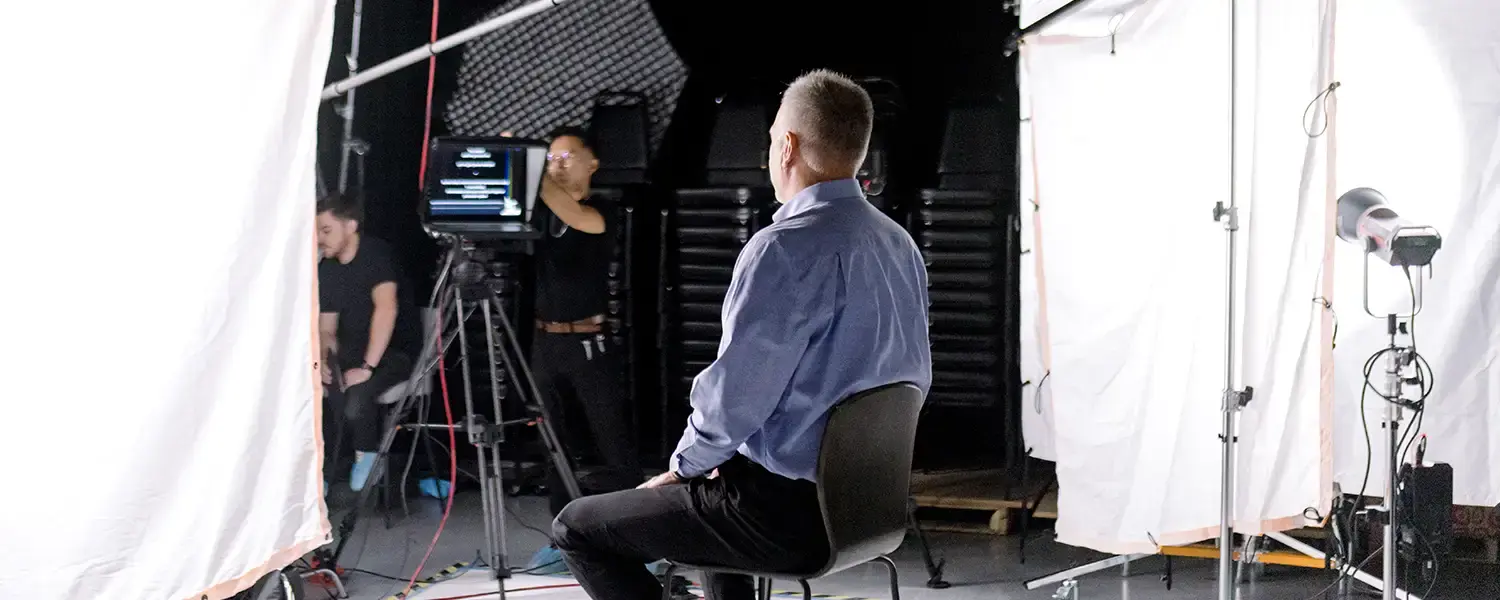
350, 250
579, 192
802, 182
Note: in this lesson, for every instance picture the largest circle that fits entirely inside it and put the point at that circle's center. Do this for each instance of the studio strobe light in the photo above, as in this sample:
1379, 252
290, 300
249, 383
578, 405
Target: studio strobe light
1364, 218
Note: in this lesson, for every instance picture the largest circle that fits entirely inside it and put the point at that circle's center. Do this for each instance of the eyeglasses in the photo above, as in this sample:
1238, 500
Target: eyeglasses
564, 159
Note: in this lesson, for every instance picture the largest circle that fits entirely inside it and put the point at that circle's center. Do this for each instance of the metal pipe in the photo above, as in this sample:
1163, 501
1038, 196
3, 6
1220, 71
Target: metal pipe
1392, 427
1231, 402
352, 59
1362, 576
1062, 11
1081, 570
425, 51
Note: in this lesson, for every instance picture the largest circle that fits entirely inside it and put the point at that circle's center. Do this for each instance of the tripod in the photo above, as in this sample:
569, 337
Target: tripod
463, 284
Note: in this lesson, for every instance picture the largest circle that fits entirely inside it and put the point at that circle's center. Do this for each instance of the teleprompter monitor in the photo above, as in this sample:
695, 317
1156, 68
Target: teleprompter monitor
483, 187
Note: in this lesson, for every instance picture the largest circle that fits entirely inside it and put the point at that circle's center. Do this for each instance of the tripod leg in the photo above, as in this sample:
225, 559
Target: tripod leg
411, 456
471, 421
491, 481
385, 494
531, 396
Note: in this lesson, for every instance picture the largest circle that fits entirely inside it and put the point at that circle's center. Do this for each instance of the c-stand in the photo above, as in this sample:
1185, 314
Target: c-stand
463, 284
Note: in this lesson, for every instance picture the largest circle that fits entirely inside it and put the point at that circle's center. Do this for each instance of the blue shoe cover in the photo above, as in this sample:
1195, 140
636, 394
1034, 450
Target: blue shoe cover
547, 561
363, 462
435, 488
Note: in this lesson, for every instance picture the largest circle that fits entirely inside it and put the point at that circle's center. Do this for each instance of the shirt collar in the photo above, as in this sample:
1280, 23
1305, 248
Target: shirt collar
819, 193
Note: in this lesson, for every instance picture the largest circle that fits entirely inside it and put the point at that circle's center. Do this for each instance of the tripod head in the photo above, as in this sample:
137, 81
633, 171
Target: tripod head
465, 264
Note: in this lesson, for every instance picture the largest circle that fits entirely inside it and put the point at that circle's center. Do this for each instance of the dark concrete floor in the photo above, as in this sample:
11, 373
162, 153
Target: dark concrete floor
978, 566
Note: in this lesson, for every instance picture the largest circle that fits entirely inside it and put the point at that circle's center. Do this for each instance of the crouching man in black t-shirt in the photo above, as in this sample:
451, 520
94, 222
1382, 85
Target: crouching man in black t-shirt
368, 324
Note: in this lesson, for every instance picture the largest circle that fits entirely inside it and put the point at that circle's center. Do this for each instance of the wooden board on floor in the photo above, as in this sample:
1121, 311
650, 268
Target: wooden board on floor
983, 491
968, 490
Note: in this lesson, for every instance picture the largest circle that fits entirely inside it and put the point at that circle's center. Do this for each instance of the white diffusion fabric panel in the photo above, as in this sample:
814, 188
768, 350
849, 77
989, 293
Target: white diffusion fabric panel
161, 316
1285, 461
1036, 395
1419, 120
1131, 151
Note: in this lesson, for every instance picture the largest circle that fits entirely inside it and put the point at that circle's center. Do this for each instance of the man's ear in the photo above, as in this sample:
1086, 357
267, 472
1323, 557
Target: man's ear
593, 165
791, 145
351, 226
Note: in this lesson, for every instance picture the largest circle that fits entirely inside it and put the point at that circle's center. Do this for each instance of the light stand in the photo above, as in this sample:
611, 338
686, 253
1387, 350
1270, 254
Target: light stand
1392, 425
347, 143
1364, 218
1397, 359
1232, 400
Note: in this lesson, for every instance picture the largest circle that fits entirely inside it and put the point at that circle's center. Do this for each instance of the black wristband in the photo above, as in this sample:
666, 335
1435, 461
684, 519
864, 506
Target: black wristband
367, 366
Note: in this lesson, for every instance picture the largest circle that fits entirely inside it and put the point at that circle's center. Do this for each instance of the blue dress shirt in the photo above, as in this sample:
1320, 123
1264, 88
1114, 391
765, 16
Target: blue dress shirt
828, 301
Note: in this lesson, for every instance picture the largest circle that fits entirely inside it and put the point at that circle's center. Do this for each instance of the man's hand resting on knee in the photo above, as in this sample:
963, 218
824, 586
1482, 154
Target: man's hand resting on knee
668, 478
665, 479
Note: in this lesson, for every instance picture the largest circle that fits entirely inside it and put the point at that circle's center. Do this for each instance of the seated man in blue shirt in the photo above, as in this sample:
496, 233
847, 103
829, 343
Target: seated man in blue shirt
828, 301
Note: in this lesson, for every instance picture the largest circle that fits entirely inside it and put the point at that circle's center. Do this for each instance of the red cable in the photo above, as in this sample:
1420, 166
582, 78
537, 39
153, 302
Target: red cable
452, 453
431, 80
442, 370
452, 462
509, 591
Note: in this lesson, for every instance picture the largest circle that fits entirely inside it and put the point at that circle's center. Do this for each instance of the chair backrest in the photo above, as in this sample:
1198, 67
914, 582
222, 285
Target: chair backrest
864, 473
417, 385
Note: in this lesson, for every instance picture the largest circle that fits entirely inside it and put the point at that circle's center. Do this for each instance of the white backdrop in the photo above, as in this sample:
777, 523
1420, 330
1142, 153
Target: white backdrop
1131, 136
1130, 152
158, 156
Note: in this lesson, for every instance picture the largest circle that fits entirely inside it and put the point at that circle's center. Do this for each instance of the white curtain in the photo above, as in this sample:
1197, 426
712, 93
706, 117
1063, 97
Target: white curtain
1036, 404
164, 434
1285, 463
1130, 123
1128, 139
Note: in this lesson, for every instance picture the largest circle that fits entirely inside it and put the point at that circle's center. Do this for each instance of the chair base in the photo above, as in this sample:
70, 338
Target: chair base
764, 580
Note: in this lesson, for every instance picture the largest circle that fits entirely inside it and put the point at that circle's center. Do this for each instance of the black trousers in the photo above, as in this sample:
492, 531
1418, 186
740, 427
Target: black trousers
578, 372
746, 518
354, 411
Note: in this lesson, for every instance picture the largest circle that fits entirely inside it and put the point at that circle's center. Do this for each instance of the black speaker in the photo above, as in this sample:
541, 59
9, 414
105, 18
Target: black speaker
1425, 507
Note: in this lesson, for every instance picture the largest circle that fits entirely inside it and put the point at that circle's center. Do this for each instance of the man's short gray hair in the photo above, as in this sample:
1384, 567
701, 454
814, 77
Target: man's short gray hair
832, 117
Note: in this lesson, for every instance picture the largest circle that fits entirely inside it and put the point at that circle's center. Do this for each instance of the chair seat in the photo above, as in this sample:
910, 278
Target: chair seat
768, 576
395, 394
750, 572
421, 384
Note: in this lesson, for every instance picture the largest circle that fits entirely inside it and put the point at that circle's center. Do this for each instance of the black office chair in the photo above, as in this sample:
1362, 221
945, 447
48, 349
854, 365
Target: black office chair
864, 476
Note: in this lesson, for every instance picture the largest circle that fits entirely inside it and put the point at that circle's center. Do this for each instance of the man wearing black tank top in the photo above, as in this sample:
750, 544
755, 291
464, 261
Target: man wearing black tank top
576, 368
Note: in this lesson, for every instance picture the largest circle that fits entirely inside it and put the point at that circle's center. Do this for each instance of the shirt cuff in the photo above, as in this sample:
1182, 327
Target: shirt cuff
685, 471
